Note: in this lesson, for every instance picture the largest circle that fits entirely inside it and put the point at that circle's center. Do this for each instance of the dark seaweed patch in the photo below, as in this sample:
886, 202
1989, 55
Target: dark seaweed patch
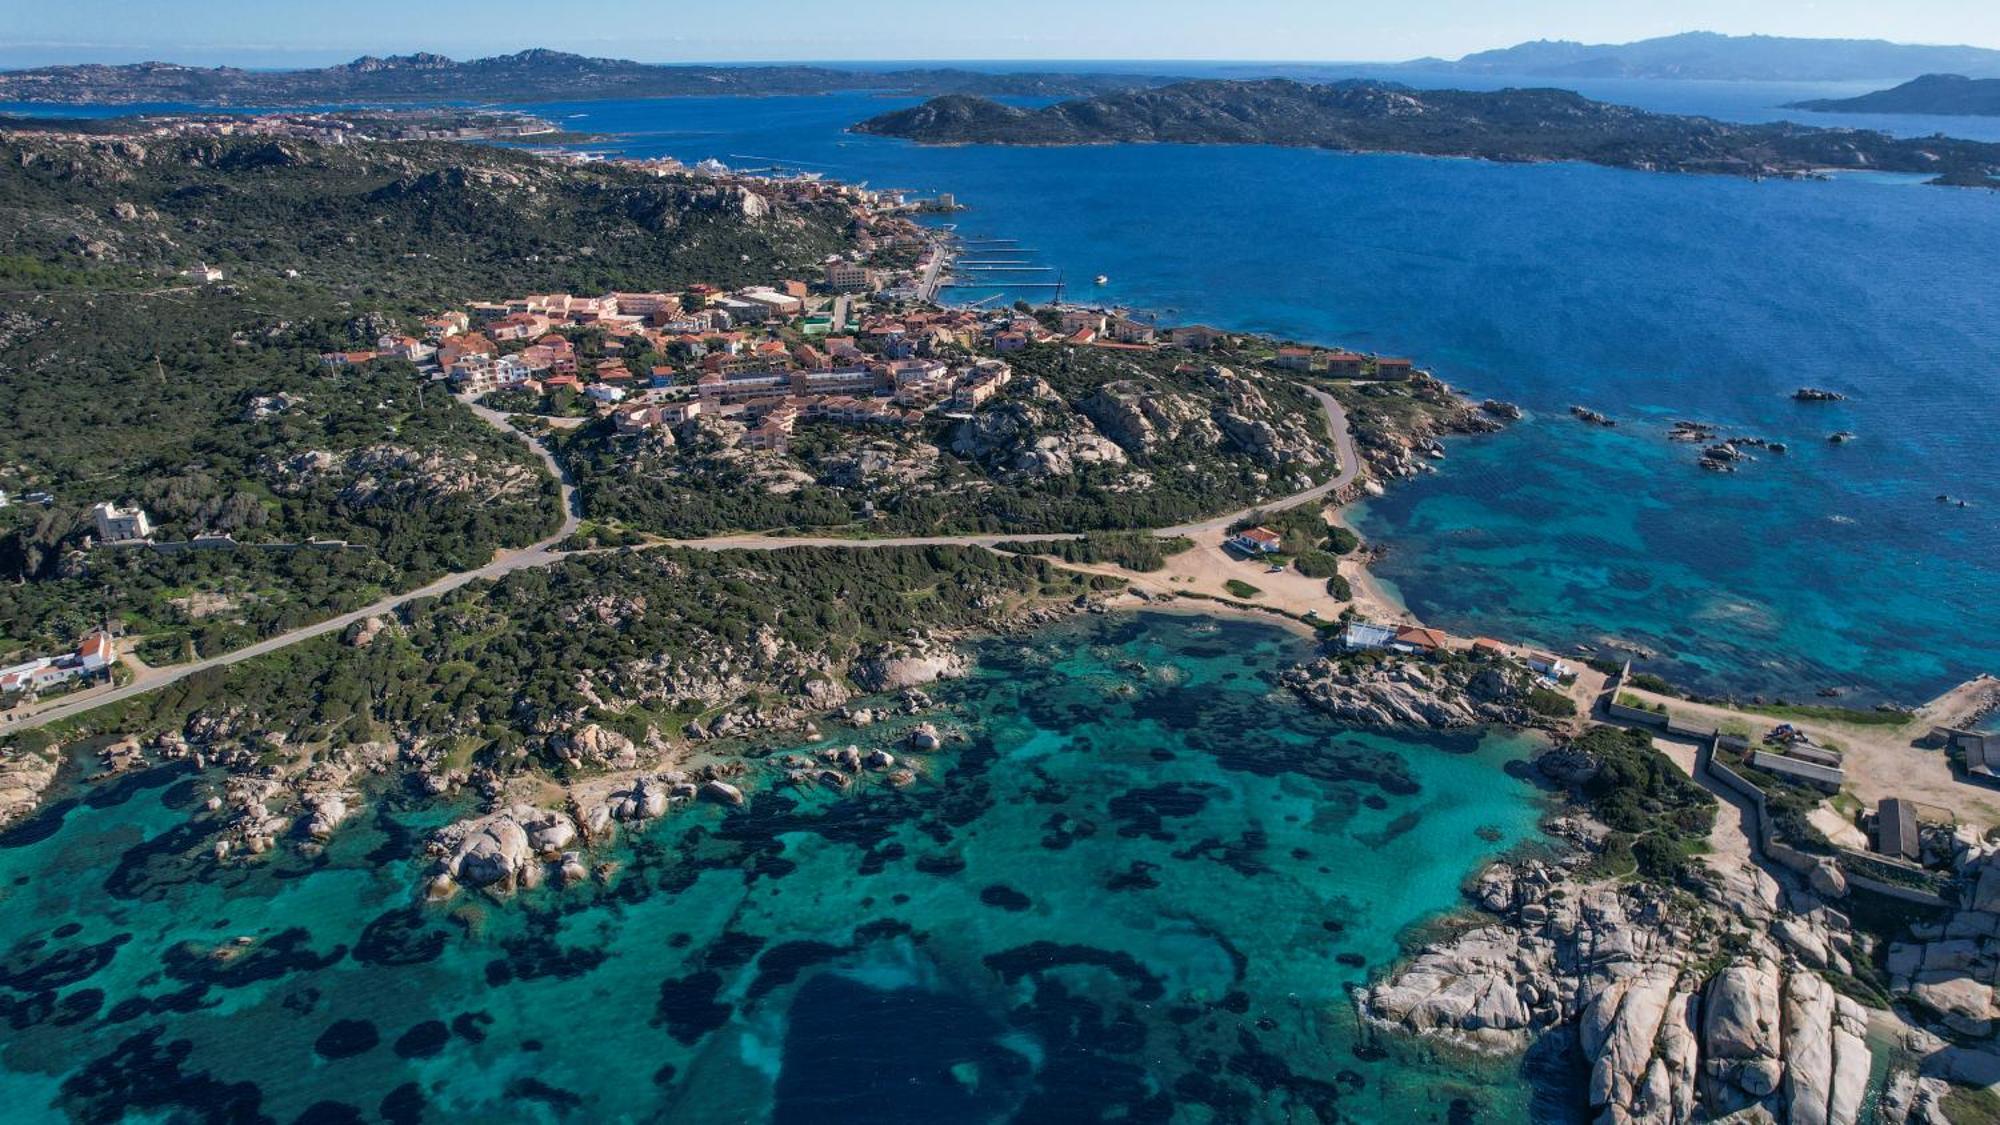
142, 1074
344, 1039
471, 1026
151, 869
404, 936
234, 967
1005, 897
1239, 856
111, 794
1040, 956
422, 1040
1270, 1073
329, 1113
1143, 811
781, 964
687, 1007
1064, 830
535, 1089
940, 864
535, 954
732, 949
78, 1006
33, 966
403, 1105
851, 1059
1137, 876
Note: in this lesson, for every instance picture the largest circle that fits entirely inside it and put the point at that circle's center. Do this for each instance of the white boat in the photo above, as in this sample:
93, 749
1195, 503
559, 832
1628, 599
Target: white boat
1103, 280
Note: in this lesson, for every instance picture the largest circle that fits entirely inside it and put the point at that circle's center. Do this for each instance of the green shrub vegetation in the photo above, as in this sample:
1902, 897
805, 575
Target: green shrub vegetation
1316, 564
1242, 589
1550, 702
122, 380
1135, 551
1340, 589
1658, 816
492, 660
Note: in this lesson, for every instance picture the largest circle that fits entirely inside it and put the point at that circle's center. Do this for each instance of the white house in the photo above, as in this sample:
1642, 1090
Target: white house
120, 525
1257, 541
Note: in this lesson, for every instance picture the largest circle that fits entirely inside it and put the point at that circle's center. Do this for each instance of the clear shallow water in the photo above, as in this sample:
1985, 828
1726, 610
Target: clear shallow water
1650, 297
1144, 882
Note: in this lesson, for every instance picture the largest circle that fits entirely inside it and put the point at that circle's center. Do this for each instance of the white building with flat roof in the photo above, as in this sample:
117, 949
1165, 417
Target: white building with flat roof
120, 525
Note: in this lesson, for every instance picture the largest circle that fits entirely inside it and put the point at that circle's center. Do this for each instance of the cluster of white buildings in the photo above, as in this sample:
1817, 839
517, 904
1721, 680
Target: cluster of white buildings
96, 654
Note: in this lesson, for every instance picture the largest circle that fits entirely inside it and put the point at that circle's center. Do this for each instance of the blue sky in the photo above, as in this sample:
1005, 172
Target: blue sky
292, 32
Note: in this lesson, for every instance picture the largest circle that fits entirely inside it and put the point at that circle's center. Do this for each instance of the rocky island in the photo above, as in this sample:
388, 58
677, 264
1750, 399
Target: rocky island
1371, 116
1941, 95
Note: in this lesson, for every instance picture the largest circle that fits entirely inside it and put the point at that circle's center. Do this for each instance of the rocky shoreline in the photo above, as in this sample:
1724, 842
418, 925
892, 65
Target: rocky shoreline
1409, 693
1729, 995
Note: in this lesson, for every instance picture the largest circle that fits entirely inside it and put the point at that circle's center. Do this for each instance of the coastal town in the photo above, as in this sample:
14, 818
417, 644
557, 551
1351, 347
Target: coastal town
1695, 950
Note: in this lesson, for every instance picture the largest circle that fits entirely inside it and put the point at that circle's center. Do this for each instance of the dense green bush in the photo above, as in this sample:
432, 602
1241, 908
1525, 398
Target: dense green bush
1550, 702
1134, 551
1317, 564
1637, 791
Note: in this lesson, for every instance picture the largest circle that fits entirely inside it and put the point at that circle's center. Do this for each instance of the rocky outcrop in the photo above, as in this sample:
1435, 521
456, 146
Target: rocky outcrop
24, 777
918, 659
1033, 440
1624, 965
1139, 416
594, 746
1414, 693
500, 852
382, 473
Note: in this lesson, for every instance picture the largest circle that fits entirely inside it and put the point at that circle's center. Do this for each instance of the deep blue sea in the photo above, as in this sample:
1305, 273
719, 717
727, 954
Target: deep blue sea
1652, 298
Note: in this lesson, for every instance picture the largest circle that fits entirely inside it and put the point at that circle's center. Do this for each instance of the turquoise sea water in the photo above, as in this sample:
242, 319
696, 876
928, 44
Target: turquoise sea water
1140, 886
1650, 297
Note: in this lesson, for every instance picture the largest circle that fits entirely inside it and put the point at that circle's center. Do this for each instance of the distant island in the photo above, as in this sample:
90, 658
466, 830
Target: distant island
1708, 55
1507, 125
1941, 94
530, 75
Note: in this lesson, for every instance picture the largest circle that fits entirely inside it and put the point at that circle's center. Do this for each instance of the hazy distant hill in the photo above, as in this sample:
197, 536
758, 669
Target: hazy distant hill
1706, 54
1361, 116
524, 76
1943, 94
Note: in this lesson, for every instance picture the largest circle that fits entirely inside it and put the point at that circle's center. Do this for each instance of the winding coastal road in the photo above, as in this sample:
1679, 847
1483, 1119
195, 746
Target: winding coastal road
544, 553
540, 553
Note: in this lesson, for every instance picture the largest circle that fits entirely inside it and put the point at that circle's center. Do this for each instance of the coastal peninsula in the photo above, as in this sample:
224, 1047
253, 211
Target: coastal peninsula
1943, 95
1368, 116
651, 548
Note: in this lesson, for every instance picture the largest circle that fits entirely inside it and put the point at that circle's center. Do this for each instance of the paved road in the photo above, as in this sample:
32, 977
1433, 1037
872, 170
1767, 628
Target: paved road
544, 554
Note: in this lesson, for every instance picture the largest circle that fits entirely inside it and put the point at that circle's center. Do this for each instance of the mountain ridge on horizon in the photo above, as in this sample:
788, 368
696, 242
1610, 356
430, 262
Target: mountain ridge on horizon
1716, 56
542, 73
